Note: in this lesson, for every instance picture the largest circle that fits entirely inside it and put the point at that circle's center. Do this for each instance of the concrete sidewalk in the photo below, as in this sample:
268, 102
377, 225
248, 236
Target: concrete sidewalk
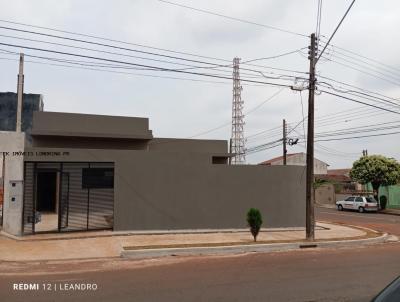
86, 245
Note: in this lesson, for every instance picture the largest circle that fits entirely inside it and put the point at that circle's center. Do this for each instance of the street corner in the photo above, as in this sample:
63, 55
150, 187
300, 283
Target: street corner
328, 235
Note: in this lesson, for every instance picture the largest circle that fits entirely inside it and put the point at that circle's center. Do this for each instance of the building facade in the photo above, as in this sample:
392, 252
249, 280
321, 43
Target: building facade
88, 172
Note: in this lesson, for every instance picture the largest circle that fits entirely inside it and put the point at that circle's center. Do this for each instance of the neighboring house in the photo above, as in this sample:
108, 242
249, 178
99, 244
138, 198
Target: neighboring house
342, 180
338, 184
298, 159
90, 172
8, 110
392, 194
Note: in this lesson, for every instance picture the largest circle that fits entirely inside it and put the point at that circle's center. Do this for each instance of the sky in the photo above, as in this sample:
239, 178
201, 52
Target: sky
183, 108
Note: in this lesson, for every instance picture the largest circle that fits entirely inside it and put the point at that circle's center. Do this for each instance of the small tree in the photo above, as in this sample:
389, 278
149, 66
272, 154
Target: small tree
376, 169
254, 219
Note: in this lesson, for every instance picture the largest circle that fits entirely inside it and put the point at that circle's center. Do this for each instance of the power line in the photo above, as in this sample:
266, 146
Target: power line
360, 129
334, 32
142, 65
360, 94
357, 101
356, 137
246, 113
367, 58
276, 56
215, 67
126, 73
335, 52
233, 18
111, 40
210, 65
366, 96
356, 87
323, 121
128, 49
363, 71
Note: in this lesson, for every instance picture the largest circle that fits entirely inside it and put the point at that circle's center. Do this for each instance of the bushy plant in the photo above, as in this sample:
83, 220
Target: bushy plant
254, 220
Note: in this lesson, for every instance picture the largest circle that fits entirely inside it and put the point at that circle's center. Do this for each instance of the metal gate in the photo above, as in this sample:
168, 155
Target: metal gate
85, 196
63, 201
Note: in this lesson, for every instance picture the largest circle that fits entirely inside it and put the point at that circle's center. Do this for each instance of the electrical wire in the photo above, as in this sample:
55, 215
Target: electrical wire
356, 87
142, 65
383, 78
233, 18
274, 57
246, 113
360, 102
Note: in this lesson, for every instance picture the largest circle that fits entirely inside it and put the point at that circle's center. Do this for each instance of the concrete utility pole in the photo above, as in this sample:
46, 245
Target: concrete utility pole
310, 216
284, 143
20, 93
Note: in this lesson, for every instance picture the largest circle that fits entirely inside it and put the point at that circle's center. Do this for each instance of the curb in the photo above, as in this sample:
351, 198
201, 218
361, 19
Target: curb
240, 249
389, 213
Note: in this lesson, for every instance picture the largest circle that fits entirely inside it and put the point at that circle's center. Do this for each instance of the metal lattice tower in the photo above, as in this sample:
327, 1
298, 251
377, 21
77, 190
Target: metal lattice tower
237, 137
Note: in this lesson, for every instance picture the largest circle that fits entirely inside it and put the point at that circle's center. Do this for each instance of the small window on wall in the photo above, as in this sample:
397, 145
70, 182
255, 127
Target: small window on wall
97, 178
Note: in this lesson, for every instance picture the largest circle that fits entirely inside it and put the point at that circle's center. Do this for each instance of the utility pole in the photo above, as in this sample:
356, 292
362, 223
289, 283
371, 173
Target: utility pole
20, 93
310, 216
284, 143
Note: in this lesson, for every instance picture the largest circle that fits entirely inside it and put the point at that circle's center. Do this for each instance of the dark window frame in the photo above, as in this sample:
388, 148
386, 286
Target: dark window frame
97, 178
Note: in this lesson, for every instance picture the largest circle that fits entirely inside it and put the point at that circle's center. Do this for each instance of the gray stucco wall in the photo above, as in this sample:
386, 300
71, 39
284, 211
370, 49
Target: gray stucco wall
166, 193
89, 125
188, 145
176, 190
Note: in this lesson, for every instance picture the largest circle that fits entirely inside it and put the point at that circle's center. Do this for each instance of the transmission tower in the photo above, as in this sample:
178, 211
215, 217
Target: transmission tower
237, 137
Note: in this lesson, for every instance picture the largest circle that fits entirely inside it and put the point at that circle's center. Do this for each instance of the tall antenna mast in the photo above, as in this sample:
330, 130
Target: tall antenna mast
237, 138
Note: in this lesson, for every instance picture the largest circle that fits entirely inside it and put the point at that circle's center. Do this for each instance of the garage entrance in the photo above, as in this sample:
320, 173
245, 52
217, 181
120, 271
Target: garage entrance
68, 196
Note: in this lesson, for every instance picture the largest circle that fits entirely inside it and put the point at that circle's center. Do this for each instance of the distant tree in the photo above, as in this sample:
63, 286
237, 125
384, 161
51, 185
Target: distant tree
254, 219
377, 170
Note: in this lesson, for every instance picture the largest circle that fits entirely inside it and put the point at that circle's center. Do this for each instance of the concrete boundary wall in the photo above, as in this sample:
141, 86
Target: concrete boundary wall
11, 142
181, 190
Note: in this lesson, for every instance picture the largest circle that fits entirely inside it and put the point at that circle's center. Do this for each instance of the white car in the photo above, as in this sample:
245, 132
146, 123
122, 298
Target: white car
358, 203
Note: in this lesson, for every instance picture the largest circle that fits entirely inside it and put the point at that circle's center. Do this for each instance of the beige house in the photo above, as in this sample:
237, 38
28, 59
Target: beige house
298, 159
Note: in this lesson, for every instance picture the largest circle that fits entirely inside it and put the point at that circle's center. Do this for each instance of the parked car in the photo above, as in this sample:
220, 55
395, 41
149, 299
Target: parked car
358, 203
390, 293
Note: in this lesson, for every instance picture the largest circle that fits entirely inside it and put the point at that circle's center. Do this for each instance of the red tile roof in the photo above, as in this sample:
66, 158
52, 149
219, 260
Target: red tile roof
339, 172
334, 178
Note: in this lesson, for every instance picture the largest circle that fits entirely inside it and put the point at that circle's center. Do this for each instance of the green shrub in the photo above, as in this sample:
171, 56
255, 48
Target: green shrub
383, 202
254, 220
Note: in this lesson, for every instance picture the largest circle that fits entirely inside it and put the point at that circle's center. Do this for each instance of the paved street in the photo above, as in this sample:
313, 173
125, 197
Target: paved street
380, 222
312, 275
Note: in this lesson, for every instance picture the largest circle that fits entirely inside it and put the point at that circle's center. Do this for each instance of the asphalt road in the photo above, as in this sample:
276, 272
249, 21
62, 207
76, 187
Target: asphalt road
313, 275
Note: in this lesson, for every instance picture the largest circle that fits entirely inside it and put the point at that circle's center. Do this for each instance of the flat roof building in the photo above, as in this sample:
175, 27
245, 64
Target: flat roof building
86, 172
